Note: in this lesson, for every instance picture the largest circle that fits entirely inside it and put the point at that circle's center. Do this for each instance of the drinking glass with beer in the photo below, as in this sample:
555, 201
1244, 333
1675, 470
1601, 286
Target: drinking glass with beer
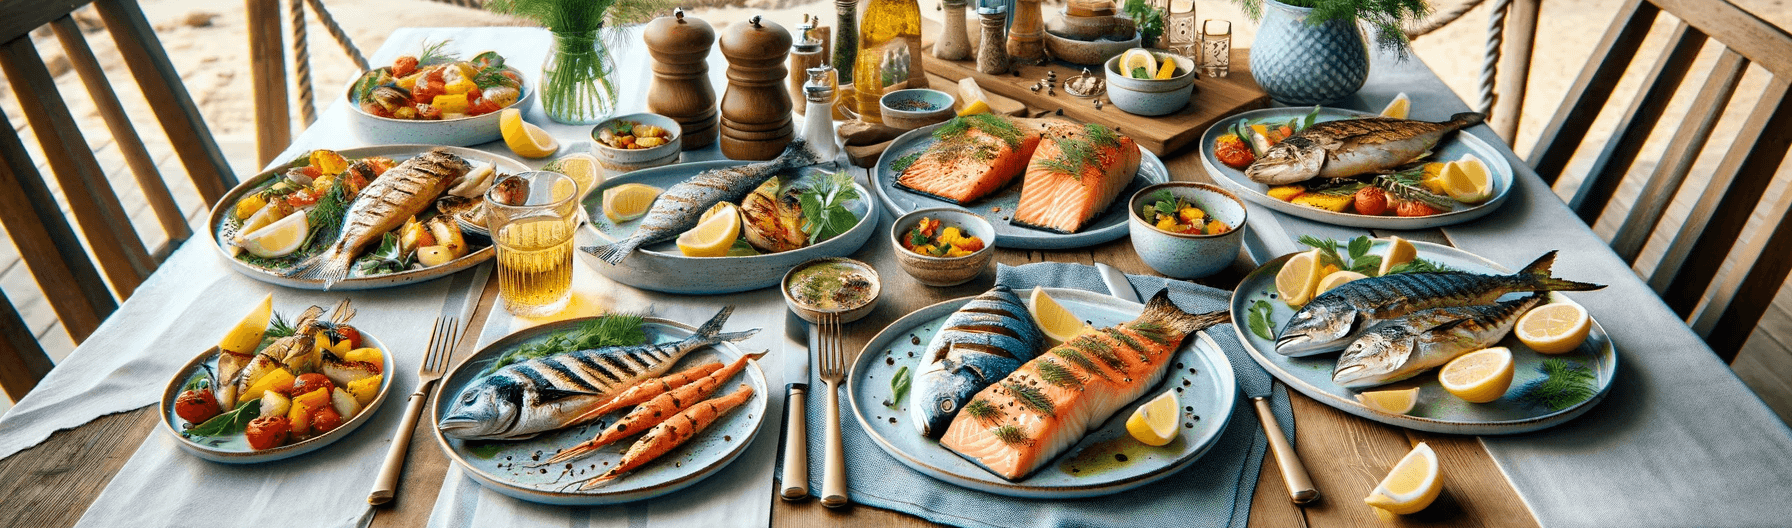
532, 217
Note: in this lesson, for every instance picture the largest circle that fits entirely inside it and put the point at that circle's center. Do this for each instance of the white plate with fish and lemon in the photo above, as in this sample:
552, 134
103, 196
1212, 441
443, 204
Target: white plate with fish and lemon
1396, 385
1383, 174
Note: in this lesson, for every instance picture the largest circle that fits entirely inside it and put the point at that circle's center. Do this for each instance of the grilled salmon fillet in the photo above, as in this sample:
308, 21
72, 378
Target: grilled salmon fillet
1075, 173
1020, 423
971, 157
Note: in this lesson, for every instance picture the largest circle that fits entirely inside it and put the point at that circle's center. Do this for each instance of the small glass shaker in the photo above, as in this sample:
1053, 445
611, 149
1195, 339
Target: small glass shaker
1216, 47
818, 122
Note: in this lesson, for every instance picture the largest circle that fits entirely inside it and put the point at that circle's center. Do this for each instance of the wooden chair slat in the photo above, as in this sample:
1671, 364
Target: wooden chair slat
1683, 150
1757, 39
174, 108
155, 191
1732, 320
46, 242
1619, 153
1716, 221
23, 17
103, 221
22, 361
267, 62
1591, 90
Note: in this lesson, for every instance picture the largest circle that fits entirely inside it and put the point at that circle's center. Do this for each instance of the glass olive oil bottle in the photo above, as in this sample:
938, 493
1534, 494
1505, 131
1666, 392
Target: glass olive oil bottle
889, 54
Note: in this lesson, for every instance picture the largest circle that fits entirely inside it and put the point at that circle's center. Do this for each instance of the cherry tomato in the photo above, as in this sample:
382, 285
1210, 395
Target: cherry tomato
301, 198
307, 383
1233, 152
429, 112
1371, 201
196, 406
268, 432
405, 65
324, 420
475, 93
350, 334
434, 75
312, 170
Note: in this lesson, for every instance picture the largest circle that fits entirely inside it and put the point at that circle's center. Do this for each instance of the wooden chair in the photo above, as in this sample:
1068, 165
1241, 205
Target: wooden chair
1701, 244
75, 276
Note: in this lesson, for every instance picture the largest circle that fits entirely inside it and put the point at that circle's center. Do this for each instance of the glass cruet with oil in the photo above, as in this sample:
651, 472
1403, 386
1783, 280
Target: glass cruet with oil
889, 54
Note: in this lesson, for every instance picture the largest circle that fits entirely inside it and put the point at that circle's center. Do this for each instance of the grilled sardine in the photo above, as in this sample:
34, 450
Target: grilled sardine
980, 343
1427, 339
1349, 147
386, 203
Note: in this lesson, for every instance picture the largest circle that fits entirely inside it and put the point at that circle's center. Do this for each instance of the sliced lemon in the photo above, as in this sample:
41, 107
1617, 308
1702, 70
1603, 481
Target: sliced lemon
1411, 486
1399, 108
247, 334
1554, 328
712, 237
1476, 170
1336, 279
582, 168
1135, 59
1299, 278
525, 139
261, 218
628, 201
1466, 180
1054, 319
1479, 377
1390, 401
1154, 423
278, 239
1399, 252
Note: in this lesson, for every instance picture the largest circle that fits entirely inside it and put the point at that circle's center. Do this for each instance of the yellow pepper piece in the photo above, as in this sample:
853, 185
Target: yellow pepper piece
370, 355
272, 379
459, 86
410, 81
1191, 214
364, 389
451, 103
1167, 70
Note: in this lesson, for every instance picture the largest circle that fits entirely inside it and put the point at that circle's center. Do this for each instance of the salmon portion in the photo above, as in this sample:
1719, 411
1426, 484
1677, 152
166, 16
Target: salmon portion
1019, 424
1074, 175
971, 157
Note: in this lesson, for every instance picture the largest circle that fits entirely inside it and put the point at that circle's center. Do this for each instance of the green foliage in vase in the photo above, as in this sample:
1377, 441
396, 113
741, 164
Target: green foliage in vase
1150, 19
576, 84
581, 15
1386, 16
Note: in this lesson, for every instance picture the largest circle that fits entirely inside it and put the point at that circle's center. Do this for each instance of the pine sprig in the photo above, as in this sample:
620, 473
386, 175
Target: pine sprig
1032, 397
1564, 384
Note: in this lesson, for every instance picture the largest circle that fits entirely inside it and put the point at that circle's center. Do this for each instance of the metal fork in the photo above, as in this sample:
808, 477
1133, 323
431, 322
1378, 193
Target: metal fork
435, 363
831, 356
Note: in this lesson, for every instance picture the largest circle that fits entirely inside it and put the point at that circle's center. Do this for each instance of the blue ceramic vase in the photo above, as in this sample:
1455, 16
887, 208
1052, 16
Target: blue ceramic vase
1300, 64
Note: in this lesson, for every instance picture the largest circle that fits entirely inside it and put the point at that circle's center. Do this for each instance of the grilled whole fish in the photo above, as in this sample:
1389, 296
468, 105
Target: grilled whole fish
1337, 317
980, 343
1348, 147
298, 353
396, 196
530, 397
1019, 424
1427, 339
679, 208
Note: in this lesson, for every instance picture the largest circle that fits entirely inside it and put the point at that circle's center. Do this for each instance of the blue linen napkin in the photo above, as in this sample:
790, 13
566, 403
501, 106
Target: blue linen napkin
1215, 491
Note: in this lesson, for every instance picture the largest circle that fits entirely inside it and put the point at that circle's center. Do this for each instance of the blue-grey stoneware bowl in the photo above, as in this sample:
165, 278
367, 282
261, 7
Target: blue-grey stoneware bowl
234, 449
915, 107
1151, 97
944, 271
1188, 256
661, 267
463, 132
1437, 410
618, 161
1090, 52
845, 315
1201, 377
503, 466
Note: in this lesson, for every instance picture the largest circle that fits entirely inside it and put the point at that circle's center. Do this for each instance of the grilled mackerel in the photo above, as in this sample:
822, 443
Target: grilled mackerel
396, 196
1349, 147
1427, 339
980, 343
680, 207
526, 398
1337, 317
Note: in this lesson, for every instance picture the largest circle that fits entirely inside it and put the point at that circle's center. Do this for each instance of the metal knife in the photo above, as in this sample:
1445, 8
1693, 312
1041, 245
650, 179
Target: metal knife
796, 419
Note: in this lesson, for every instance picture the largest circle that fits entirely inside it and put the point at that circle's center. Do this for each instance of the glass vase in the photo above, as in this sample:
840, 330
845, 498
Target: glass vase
576, 79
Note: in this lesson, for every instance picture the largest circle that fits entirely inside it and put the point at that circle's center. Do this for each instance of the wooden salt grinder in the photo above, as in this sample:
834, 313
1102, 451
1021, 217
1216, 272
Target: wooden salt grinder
756, 122
681, 90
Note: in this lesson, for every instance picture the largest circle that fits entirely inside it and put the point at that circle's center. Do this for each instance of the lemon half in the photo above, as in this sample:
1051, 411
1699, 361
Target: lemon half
243, 338
1299, 278
1336, 279
628, 201
1466, 180
1390, 401
278, 239
1399, 108
1138, 58
1554, 328
582, 168
1399, 252
1479, 377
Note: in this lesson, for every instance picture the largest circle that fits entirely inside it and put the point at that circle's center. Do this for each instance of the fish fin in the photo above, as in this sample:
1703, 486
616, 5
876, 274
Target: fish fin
551, 394
1447, 325
1467, 119
330, 267
798, 154
1161, 311
1538, 273
612, 253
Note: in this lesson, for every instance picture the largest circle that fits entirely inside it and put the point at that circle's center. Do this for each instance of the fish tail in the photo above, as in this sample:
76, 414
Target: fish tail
330, 266
612, 253
1468, 119
798, 154
1161, 311
1538, 274
710, 328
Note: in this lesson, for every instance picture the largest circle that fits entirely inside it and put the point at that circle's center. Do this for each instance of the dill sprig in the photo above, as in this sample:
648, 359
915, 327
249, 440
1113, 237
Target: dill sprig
326, 218
1056, 374
1031, 397
902, 164
1011, 435
1346, 188
1564, 384
1101, 350
1419, 265
435, 53
623, 329
991, 124
1126, 339
1076, 356
1411, 190
982, 410
1078, 153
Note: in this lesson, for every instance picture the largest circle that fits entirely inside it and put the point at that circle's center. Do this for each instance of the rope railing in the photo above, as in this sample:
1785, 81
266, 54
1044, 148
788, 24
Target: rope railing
1490, 57
301, 61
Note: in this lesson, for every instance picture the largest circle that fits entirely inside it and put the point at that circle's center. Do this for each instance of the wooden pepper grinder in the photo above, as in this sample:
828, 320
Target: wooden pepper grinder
1027, 33
681, 90
756, 122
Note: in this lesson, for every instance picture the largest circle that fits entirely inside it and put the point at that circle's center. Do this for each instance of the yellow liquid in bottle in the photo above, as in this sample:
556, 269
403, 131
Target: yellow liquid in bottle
889, 50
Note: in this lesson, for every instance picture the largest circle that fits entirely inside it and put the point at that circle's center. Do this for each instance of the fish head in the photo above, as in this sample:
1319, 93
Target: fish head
1291, 161
940, 393
485, 410
1374, 359
1320, 326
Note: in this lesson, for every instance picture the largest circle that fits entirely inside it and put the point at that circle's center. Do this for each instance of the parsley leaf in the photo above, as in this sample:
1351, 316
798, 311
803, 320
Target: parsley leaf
228, 423
1258, 318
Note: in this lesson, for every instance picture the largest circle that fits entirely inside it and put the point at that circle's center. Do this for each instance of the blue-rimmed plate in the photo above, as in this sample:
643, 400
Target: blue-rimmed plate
998, 208
1437, 410
1202, 379
1453, 147
503, 466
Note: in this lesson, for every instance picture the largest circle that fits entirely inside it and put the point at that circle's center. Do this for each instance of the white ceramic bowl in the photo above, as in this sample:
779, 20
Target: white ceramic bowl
1188, 256
619, 161
463, 132
1151, 97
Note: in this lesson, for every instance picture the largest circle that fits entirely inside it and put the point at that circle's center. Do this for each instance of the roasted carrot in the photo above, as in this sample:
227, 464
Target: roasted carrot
647, 390
659, 409
672, 433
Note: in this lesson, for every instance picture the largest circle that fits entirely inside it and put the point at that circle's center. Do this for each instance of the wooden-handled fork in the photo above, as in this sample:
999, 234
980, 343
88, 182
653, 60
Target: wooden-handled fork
441, 346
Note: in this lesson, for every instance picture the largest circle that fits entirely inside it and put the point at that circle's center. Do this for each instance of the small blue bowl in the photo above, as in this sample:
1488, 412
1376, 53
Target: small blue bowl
1188, 256
915, 108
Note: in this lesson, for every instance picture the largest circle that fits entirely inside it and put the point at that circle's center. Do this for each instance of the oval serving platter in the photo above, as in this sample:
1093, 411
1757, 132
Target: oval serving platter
1202, 378
503, 465
1437, 410
235, 448
661, 267
1453, 147
480, 250
999, 207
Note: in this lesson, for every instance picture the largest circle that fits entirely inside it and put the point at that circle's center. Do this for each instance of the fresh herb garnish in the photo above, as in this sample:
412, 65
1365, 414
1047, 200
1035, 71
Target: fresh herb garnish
899, 385
1360, 260
1150, 20
1564, 384
981, 410
742, 249
1258, 319
824, 207
1419, 265
1078, 153
902, 164
606, 331
326, 218
1406, 185
278, 328
228, 423
389, 258
1010, 434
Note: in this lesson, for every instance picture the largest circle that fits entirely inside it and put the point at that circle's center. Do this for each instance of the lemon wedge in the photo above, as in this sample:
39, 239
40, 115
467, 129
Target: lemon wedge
261, 218
582, 168
1136, 59
1390, 401
628, 201
525, 139
712, 237
1054, 319
1411, 486
1299, 278
278, 239
1399, 108
1166, 70
975, 101
247, 334
1554, 328
1479, 377
1336, 279
1154, 423
1399, 252
1466, 180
